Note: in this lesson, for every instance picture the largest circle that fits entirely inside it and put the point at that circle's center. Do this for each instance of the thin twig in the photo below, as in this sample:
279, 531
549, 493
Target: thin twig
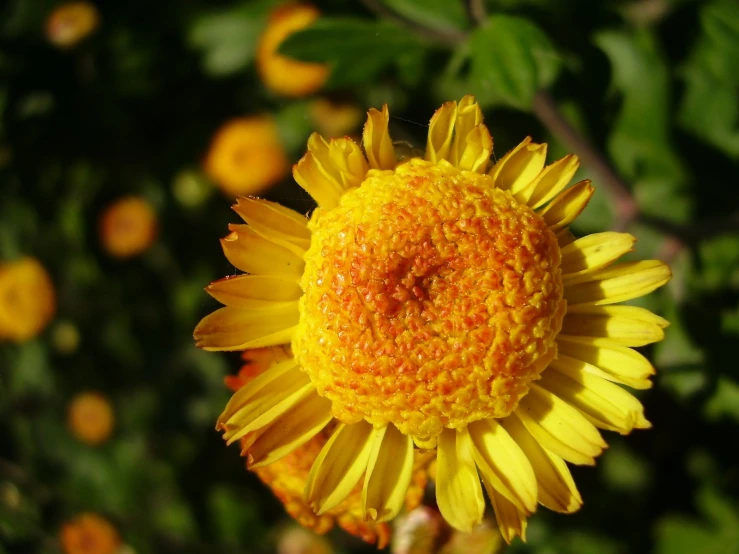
548, 113
448, 38
478, 11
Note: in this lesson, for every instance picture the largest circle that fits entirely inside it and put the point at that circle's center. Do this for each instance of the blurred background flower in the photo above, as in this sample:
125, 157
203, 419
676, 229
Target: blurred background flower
27, 299
89, 534
246, 156
123, 100
279, 73
90, 418
128, 227
69, 23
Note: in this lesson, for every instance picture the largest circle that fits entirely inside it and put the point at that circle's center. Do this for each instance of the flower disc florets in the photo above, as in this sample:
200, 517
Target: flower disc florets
431, 300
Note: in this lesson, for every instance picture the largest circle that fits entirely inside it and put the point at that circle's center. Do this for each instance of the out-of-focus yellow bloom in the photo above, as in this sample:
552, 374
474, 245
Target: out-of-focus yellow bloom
246, 156
90, 418
335, 119
128, 227
70, 23
89, 534
280, 74
27, 299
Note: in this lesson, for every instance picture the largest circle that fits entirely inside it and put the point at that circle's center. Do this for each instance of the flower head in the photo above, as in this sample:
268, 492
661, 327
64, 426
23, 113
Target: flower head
434, 303
90, 418
70, 23
246, 156
128, 227
27, 299
282, 75
89, 534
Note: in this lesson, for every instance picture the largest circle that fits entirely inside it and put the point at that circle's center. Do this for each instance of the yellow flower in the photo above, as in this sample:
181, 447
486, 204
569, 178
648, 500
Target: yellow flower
335, 119
246, 156
435, 303
27, 299
282, 75
70, 23
89, 534
287, 476
90, 418
128, 227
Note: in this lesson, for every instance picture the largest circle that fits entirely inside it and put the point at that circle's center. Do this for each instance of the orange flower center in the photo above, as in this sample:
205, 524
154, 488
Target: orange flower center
431, 300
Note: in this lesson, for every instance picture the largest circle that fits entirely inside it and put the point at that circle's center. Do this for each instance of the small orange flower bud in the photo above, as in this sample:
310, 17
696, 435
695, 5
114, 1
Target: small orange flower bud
90, 418
282, 75
246, 156
89, 534
27, 299
68, 24
128, 227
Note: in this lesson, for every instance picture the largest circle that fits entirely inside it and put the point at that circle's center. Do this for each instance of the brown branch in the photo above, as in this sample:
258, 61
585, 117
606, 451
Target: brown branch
448, 38
548, 113
478, 13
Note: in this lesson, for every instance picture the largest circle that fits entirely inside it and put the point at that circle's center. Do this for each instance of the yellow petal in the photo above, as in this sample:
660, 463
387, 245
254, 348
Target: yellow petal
339, 465
593, 252
240, 329
458, 490
255, 291
502, 464
250, 252
511, 521
441, 128
263, 399
377, 142
289, 431
472, 144
520, 166
559, 427
329, 169
604, 404
618, 283
270, 219
548, 183
567, 205
626, 325
565, 237
388, 474
606, 359
479, 146
556, 488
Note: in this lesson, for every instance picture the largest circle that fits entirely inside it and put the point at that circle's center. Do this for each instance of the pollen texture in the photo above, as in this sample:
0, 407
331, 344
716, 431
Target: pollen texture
431, 300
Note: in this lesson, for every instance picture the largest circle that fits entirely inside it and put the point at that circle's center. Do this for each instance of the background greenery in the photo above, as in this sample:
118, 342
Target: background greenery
650, 84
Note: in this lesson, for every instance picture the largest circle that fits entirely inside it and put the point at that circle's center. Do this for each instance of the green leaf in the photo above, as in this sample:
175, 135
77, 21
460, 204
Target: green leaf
441, 15
724, 402
357, 50
639, 142
234, 518
229, 38
709, 108
511, 58
719, 262
625, 470
717, 533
